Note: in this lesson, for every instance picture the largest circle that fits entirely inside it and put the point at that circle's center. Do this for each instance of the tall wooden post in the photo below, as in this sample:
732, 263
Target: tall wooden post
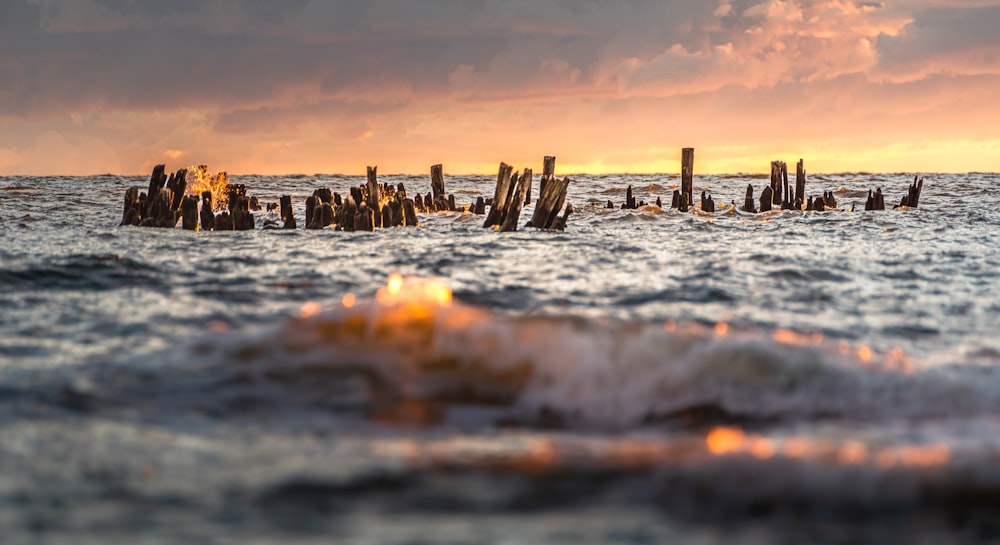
800, 185
499, 203
437, 183
687, 175
374, 197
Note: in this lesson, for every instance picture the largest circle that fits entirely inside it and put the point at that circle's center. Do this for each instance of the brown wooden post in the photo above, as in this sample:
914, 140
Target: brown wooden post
287, 213
514, 204
800, 185
409, 213
748, 204
156, 181
548, 174
437, 183
687, 174
207, 214
500, 194
374, 197
189, 213
130, 213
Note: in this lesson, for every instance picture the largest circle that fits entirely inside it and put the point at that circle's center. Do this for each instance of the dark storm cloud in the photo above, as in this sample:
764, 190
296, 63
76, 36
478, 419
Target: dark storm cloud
956, 39
60, 55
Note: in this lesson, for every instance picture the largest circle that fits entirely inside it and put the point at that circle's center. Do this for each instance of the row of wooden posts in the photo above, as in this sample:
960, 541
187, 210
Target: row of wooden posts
777, 195
365, 208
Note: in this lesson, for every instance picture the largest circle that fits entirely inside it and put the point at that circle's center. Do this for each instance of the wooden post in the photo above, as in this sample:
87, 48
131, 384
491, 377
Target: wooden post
560, 223
418, 203
675, 200
452, 206
500, 194
548, 174
437, 183
514, 204
687, 175
549, 203
748, 205
189, 213
480, 207
207, 215
386, 217
156, 181
409, 213
224, 222
177, 186
374, 197
800, 185
311, 211
130, 213
766, 199
287, 212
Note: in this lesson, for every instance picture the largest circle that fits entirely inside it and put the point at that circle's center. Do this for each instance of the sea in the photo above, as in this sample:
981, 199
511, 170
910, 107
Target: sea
645, 376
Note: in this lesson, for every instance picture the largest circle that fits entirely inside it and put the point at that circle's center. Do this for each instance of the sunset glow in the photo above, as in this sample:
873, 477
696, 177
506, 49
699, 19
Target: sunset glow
307, 87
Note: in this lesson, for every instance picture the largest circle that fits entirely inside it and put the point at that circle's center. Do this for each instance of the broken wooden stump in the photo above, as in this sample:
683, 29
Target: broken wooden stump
514, 204
224, 222
912, 197
189, 213
409, 213
550, 202
131, 214
548, 174
374, 200
480, 207
156, 181
766, 199
629, 203
560, 222
207, 217
437, 186
311, 211
800, 185
748, 204
287, 213
707, 204
500, 196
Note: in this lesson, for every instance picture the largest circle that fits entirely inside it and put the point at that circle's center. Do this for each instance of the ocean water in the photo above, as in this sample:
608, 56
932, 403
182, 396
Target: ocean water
646, 376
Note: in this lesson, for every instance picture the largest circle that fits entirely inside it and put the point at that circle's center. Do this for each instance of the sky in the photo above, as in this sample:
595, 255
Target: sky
330, 86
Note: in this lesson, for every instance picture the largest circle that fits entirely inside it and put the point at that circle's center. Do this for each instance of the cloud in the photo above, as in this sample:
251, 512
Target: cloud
269, 85
957, 40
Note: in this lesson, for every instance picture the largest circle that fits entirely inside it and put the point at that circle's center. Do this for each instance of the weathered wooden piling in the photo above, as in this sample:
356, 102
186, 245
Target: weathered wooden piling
438, 194
687, 177
311, 203
189, 213
207, 215
131, 215
629, 203
409, 213
912, 197
156, 181
800, 185
480, 207
707, 203
287, 212
748, 204
549, 203
766, 199
500, 196
548, 173
374, 200
513, 213
224, 222
418, 203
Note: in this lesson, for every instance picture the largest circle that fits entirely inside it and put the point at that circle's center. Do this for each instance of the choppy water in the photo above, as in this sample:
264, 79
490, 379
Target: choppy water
643, 377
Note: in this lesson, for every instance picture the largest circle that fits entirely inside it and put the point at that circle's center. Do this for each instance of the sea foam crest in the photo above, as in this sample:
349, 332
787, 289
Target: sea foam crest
413, 341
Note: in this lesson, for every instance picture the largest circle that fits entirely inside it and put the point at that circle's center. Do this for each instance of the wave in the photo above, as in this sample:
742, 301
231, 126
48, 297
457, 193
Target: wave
579, 372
